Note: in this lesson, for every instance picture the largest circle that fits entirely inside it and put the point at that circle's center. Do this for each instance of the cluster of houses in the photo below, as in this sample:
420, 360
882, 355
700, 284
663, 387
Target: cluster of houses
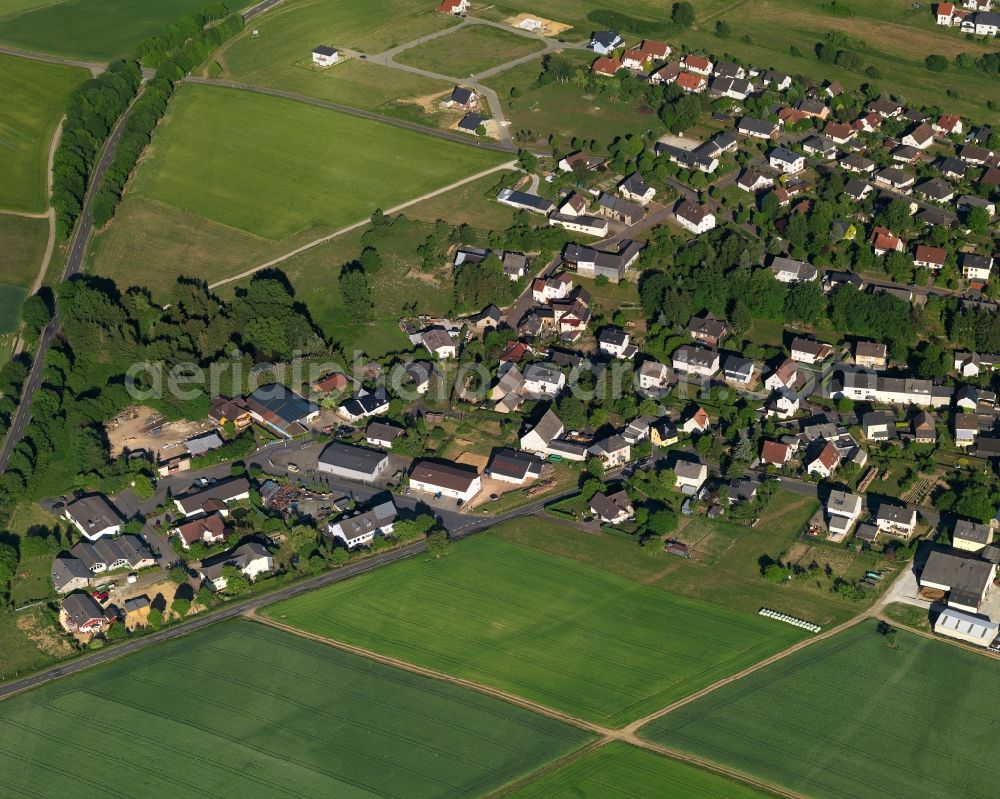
973, 17
104, 551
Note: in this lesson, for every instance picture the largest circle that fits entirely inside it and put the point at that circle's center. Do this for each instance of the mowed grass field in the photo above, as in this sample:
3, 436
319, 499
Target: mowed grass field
243, 710
273, 167
34, 99
99, 30
469, 51
620, 771
591, 644
279, 56
852, 718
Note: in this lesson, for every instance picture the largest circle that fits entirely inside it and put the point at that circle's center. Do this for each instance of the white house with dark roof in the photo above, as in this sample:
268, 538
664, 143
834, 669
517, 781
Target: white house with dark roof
693, 360
360, 529
513, 466
786, 161
789, 270
94, 516
325, 56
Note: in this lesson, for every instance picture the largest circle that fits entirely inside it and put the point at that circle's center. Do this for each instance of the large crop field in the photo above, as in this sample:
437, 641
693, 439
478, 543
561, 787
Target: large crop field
620, 771
469, 51
22, 247
245, 710
568, 636
101, 30
853, 718
274, 167
34, 96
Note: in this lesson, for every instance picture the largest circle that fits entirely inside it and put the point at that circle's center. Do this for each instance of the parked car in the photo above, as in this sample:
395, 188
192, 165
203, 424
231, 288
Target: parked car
100, 596
293, 468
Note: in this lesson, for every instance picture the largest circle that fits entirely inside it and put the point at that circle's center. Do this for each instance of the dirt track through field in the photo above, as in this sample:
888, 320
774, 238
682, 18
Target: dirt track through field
606, 734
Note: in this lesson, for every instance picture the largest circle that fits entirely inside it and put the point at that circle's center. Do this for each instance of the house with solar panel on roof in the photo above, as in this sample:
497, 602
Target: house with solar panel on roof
281, 410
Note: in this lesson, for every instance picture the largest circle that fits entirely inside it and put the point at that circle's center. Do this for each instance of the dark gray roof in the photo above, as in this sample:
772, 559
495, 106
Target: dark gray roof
613, 336
222, 491
283, 403
471, 121
355, 459
515, 464
967, 574
324, 49
81, 608
759, 126
136, 603
65, 570
785, 155
971, 531
93, 513
461, 95
368, 404
606, 38
370, 520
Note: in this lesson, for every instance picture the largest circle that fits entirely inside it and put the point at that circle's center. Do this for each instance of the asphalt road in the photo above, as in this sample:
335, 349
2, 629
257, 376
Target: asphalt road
259, 9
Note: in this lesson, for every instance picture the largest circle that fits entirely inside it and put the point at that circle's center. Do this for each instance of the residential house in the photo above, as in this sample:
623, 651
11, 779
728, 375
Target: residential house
225, 411
924, 428
966, 427
936, 190
583, 223
471, 123
454, 6
692, 360
774, 453
752, 181
616, 343
80, 613
871, 355
281, 410
976, 267
635, 188
707, 329
967, 364
514, 265
439, 343
786, 161
324, 55
738, 371
94, 516
966, 578
613, 451
697, 64
885, 241
878, 425
620, 210
653, 375
637, 430
842, 511
445, 479
690, 476
921, 137
896, 520
512, 466
251, 558
543, 380
419, 373
788, 270
857, 190
613, 508
382, 435
812, 108
696, 422
209, 530
825, 462
606, 66
557, 287
214, 498
663, 433
348, 462
600, 263
971, 536
886, 108
360, 529
839, 132
364, 405
735, 88
821, 147
932, 258
811, 352
111, 554
895, 179
855, 162
695, 217
545, 438
580, 160
70, 574
605, 42
757, 128
785, 376
464, 98
869, 387
784, 405
691, 83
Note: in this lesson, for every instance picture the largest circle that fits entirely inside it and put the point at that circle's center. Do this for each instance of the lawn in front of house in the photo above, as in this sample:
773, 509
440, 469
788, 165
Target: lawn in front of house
545, 628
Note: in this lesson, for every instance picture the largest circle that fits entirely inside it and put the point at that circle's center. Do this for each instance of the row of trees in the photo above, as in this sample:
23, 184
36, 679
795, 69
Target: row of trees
183, 46
91, 113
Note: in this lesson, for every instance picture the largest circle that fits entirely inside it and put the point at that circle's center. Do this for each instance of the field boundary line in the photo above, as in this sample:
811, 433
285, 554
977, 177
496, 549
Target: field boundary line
495, 693
547, 768
508, 165
934, 637
607, 734
633, 728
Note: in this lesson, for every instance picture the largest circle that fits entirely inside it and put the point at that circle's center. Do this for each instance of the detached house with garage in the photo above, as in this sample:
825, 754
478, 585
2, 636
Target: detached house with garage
94, 516
360, 529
